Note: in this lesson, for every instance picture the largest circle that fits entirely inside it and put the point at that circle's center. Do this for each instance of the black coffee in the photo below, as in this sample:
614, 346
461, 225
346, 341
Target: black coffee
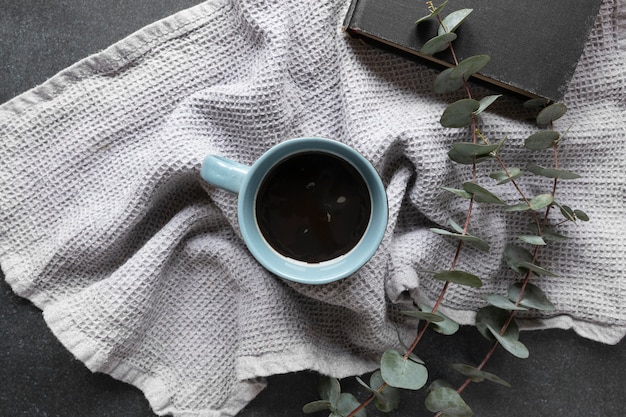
313, 207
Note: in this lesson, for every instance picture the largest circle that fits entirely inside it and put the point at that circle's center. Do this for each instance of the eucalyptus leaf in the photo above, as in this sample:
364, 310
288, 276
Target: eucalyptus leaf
448, 402
460, 113
551, 113
518, 207
537, 269
533, 240
533, 297
502, 302
348, 403
416, 359
433, 13
552, 173
315, 406
501, 143
459, 277
542, 140
446, 327
473, 149
491, 316
581, 215
512, 345
552, 236
568, 213
388, 398
363, 384
472, 240
482, 195
466, 160
478, 375
401, 372
485, 102
438, 383
437, 44
452, 21
541, 201
505, 176
423, 315
455, 226
536, 103
443, 84
329, 390
470, 66
515, 256
458, 193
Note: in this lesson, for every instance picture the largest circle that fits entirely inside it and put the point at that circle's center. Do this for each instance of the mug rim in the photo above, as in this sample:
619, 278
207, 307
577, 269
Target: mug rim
299, 271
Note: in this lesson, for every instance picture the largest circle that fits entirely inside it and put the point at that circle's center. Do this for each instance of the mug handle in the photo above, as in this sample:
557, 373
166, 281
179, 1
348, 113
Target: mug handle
223, 173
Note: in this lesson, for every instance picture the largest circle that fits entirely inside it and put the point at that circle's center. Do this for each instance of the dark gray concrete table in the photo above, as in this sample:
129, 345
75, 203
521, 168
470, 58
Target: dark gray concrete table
565, 375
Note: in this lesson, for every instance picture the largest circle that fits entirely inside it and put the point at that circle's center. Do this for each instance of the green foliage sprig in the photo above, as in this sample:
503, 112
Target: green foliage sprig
497, 320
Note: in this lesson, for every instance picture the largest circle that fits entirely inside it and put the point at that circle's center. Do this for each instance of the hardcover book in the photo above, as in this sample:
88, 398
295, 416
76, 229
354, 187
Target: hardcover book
534, 45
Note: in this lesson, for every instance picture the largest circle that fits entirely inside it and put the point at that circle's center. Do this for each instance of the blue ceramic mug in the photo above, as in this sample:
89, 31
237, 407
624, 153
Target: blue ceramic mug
310, 210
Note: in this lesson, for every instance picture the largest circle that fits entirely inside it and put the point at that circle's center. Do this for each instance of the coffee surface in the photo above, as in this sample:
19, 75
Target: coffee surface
313, 207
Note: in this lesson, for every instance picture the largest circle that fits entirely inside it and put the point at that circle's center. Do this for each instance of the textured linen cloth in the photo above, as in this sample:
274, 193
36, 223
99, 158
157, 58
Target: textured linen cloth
139, 267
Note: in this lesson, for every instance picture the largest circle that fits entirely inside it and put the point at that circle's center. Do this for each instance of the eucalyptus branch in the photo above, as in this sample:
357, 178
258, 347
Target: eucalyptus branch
497, 321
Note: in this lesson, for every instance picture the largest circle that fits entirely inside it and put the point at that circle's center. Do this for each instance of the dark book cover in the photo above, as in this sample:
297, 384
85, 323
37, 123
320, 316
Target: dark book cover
534, 45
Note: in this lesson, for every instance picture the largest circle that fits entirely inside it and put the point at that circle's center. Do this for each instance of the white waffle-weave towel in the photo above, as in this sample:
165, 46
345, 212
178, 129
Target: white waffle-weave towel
138, 265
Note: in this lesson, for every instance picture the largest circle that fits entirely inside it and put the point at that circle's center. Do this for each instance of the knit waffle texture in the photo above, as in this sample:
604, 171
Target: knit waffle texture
139, 266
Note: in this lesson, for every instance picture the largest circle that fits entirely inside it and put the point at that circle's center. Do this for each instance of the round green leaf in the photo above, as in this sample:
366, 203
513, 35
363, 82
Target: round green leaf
437, 44
581, 215
329, 389
494, 317
389, 398
541, 201
400, 372
533, 240
485, 102
448, 402
443, 84
446, 327
518, 207
433, 13
452, 21
533, 297
458, 193
536, 103
542, 140
473, 149
552, 173
477, 375
568, 213
516, 256
503, 177
551, 113
348, 403
438, 383
552, 236
472, 240
315, 406
459, 277
470, 66
457, 227
466, 160
503, 302
481, 195
460, 113
512, 345
537, 269
423, 315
